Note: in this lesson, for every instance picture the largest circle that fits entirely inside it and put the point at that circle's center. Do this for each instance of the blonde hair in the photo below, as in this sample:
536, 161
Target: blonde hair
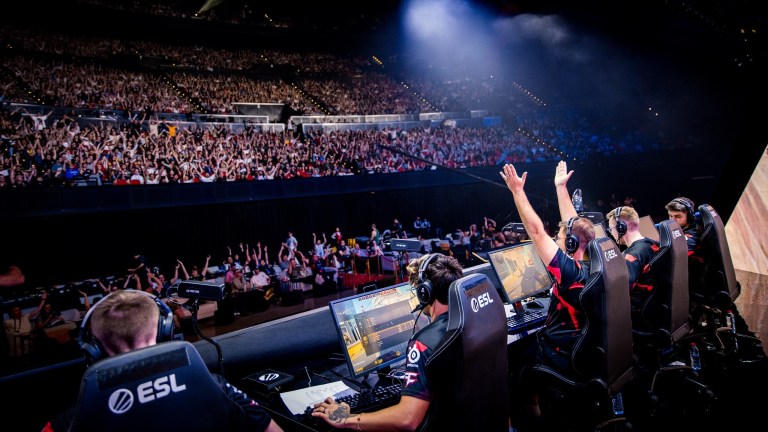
125, 320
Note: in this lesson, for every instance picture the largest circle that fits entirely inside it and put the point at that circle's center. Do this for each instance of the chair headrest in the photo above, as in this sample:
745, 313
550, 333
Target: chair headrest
605, 348
143, 388
667, 307
715, 245
473, 353
476, 310
672, 244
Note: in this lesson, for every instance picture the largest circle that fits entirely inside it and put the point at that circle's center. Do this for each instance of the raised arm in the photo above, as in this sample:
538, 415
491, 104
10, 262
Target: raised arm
86, 301
247, 254
179, 263
545, 246
103, 288
564, 203
35, 313
176, 272
205, 267
257, 252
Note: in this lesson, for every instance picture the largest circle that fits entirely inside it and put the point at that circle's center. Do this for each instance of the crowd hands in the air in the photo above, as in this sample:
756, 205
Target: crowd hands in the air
39, 147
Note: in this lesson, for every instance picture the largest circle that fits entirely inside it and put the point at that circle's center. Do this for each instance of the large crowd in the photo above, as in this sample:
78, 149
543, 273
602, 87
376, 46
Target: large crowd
38, 151
46, 74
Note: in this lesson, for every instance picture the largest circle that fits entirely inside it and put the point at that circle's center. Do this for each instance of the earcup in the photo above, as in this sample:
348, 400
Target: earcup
91, 347
571, 241
424, 290
621, 226
165, 321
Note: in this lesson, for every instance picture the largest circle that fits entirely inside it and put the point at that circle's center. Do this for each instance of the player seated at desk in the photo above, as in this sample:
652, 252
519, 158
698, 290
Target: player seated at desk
431, 275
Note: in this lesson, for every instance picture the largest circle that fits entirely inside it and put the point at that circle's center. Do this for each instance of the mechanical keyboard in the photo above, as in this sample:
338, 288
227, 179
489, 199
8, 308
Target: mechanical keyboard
519, 322
379, 397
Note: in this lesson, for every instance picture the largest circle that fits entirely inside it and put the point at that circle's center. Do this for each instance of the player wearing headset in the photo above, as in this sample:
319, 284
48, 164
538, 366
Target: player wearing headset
128, 320
564, 257
623, 225
430, 276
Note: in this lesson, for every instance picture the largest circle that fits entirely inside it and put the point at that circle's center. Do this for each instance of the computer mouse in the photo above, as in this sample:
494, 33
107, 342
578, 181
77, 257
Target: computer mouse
398, 374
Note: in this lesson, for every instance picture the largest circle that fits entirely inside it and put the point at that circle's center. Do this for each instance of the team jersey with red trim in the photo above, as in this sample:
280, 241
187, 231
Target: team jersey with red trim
638, 259
565, 318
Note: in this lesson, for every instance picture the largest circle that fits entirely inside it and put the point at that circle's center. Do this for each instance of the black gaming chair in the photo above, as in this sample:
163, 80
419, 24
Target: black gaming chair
715, 293
602, 358
666, 384
473, 353
718, 286
665, 312
162, 387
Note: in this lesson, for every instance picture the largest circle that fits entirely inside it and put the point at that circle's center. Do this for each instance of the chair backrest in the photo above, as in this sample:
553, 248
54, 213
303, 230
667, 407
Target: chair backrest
666, 310
719, 278
471, 361
604, 351
163, 387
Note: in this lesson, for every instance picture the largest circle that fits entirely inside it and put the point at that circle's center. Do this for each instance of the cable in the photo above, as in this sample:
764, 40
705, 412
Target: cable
310, 373
360, 387
416, 321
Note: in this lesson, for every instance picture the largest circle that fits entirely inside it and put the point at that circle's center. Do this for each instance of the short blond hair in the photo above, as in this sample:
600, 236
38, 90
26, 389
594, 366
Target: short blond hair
125, 320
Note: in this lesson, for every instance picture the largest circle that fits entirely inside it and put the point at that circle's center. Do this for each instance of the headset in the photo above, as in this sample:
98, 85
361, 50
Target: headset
571, 241
424, 288
690, 213
91, 347
621, 226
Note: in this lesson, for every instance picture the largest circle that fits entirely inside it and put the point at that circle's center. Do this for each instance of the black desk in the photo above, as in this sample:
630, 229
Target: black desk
320, 373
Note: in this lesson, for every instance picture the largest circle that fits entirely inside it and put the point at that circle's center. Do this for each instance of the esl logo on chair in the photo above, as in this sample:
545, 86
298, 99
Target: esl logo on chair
121, 400
270, 376
481, 301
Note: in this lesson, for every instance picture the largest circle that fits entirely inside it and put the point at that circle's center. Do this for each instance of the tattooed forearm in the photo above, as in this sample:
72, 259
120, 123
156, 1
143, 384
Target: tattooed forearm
340, 414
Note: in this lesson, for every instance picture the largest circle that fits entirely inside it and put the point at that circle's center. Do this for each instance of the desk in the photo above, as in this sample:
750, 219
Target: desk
318, 372
320, 367
511, 338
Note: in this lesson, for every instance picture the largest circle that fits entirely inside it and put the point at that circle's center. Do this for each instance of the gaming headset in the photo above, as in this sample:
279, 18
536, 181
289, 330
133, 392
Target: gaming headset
424, 288
90, 345
621, 226
690, 214
571, 241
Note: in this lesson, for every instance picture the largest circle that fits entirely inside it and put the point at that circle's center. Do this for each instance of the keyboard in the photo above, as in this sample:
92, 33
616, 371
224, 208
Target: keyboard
379, 397
519, 322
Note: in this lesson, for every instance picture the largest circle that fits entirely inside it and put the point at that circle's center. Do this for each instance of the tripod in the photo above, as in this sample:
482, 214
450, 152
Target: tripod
402, 261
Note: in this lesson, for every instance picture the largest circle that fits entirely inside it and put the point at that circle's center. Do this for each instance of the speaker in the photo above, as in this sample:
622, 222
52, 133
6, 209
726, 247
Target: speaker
91, 347
621, 226
571, 241
424, 286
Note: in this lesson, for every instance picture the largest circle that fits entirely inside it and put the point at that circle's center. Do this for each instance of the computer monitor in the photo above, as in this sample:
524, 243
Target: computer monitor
647, 228
520, 271
374, 327
487, 270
